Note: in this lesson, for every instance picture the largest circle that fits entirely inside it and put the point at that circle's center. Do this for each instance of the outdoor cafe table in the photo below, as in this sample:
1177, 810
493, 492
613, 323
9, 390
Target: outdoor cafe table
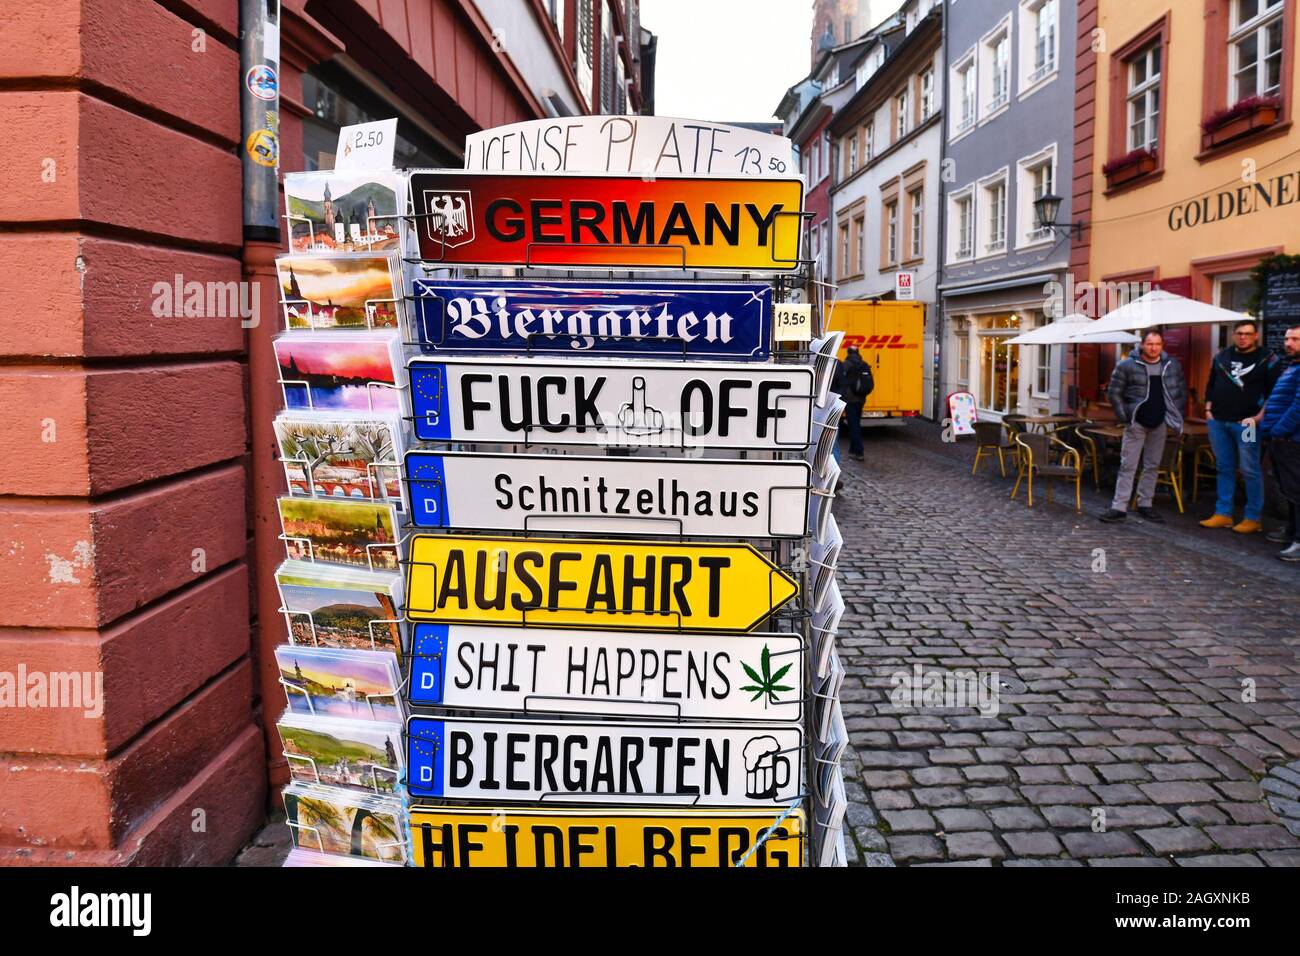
1044, 422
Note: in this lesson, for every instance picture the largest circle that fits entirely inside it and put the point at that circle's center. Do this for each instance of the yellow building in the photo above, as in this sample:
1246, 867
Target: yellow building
1187, 164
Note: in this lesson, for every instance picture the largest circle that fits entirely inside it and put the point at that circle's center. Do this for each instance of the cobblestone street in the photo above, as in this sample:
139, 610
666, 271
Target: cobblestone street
1126, 732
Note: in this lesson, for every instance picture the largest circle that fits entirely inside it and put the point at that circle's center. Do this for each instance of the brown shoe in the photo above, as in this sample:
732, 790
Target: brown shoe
1248, 527
1217, 521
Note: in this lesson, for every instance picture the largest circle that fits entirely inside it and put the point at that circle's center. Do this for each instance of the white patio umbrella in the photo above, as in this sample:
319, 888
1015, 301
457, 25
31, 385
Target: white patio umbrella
1160, 308
1070, 330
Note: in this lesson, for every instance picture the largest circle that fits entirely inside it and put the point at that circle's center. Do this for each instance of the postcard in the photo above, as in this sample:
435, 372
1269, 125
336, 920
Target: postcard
340, 292
359, 754
342, 211
327, 371
362, 614
328, 682
344, 457
335, 821
298, 857
359, 534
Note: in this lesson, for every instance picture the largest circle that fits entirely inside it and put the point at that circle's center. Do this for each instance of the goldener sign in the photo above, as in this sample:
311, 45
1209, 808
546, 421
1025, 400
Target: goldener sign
723, 498
495, 219
612, 403
707, 677
673, 320
513, 761
607, 584
608, 837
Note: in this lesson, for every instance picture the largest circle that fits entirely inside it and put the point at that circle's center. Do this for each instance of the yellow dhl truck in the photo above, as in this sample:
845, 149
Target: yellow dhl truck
889, 338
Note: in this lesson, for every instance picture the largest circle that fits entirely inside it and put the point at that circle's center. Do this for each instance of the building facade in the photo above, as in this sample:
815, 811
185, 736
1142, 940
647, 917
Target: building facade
1187, 170
140, 541
887, 145
1008, 140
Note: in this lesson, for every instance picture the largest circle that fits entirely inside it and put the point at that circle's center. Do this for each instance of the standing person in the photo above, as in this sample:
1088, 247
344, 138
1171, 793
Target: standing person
854, 382
1281, 428
1147, 392
1241, 376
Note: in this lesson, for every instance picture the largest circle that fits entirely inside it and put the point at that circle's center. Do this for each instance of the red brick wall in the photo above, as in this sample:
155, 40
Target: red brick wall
122, 493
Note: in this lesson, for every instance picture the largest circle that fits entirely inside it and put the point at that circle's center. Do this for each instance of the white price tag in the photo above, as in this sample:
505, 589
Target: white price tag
792, 322
366, 145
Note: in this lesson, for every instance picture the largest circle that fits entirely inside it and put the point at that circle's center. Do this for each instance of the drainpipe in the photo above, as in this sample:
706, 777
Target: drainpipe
259, 90
940, 313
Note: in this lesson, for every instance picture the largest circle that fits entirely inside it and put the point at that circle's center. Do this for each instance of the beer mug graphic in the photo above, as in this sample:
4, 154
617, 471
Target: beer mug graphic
766, 769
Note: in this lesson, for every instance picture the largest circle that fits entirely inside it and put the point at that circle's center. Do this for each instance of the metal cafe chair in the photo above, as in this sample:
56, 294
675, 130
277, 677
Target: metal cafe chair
1170, 473
1036, 451
1075, 436
1204, 465
994, 438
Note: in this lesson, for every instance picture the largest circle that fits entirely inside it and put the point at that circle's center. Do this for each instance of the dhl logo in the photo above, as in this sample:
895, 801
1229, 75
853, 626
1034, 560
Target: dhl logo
877, 342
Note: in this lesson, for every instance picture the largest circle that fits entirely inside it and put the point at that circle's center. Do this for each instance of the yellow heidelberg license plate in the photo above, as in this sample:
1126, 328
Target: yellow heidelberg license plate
458, 836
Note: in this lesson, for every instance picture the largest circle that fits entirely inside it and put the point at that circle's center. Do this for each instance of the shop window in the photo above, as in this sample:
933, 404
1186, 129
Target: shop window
337, 99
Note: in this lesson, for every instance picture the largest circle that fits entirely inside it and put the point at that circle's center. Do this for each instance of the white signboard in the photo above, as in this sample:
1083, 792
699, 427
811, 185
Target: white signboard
614, 495
612, 403
904, 290
792, 322
630, 674
366, 145
705, 765
630, 144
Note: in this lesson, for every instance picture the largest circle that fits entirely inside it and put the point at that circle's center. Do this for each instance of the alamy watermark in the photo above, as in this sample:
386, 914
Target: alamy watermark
75, 690
207, 300
922, 689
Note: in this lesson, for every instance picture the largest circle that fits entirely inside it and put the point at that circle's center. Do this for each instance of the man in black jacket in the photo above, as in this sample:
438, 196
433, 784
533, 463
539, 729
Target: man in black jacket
1241, 376
1147, 392
853, 382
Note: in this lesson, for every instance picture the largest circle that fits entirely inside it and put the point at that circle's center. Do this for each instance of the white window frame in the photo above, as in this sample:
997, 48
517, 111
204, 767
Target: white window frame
916, 213
903, 106
869, 142
555, 10
1238, 33
988, 245
927, 94
853, 153
1027, 232
988, 72
1147, 93
965, 111
826, 155
1033, 75
891, 211
962, 247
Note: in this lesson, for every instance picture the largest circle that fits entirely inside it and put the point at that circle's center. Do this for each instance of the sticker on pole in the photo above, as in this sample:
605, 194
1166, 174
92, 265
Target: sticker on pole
718, 498
609, 837
592, 584
526, 761
612, 403
700, 676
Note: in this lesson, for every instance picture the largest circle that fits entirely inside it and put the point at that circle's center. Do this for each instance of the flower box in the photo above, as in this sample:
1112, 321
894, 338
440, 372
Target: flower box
1127, 168
1241, 119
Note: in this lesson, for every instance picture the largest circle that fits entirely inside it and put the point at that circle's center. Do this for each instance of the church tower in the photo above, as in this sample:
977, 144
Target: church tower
329, 210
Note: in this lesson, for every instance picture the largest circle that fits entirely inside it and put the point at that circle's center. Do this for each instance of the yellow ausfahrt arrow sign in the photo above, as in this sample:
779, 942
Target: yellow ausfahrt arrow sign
549, 582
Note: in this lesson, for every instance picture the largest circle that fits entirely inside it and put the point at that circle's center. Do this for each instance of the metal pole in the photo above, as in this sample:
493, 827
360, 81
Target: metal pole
259, 110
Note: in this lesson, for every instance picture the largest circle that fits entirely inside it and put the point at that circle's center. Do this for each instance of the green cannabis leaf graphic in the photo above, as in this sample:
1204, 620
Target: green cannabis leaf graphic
767, 683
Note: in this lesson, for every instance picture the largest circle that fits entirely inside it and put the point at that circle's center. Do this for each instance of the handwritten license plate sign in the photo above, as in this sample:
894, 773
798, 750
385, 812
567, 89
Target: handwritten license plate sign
621, 404
629, 144
616, 585
617, 495
495, 219
525, 761
707, 677
593, 318
536, 838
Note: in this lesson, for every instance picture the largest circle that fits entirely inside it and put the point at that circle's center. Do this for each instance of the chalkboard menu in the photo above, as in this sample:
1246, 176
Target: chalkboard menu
1280, 307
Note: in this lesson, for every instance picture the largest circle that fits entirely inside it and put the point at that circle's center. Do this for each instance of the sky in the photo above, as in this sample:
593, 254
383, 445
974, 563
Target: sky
727, 59
733, 59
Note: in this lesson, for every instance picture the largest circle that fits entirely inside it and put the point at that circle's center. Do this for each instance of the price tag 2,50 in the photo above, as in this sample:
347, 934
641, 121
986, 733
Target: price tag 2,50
792, 322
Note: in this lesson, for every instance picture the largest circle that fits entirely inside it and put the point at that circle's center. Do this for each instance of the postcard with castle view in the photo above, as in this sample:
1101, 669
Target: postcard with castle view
330, 211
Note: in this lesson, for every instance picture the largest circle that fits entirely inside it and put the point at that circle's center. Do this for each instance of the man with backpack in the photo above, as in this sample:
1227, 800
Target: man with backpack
1280, 427
853, 382
1241, 376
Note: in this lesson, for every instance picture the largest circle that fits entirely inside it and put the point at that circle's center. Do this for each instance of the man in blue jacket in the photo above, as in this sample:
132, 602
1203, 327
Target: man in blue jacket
1280, 427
